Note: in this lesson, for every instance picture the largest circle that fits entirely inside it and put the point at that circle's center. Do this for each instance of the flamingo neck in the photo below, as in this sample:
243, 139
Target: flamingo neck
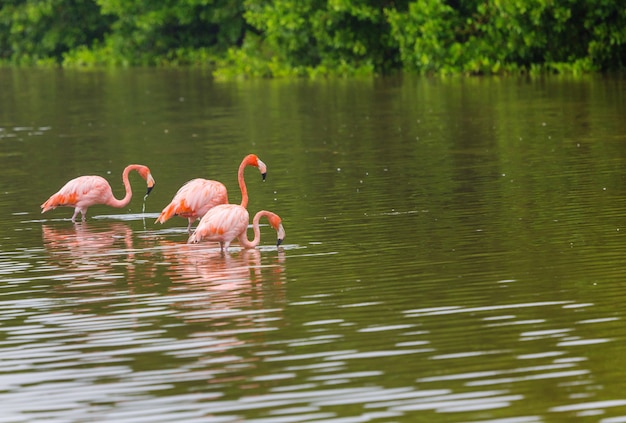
114, 202
242, 184
243, 239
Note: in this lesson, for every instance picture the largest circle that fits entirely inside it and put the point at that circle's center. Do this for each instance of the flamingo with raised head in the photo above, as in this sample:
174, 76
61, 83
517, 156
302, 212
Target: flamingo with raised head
225, 222
86, 191
198, 196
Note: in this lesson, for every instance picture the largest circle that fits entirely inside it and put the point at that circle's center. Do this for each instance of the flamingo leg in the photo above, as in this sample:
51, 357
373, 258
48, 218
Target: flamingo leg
76, 210
83, 213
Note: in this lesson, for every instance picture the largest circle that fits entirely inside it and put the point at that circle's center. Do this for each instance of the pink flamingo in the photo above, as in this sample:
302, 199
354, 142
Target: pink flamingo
198, 196
225, 222
86, 191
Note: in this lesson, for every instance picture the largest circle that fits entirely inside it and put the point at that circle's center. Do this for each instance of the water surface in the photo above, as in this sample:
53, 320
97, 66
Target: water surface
454, 251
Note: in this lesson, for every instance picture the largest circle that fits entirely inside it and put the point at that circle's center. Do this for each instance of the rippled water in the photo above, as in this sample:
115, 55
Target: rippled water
454, 251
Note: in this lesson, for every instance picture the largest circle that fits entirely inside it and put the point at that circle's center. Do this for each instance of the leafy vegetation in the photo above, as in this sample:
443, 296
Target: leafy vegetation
277, 38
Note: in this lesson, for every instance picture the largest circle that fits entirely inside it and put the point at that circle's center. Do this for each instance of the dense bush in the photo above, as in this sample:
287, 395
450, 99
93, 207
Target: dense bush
33, 32
271, 38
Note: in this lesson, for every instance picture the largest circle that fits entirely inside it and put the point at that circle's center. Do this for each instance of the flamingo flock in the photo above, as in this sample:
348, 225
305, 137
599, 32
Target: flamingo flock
198, 198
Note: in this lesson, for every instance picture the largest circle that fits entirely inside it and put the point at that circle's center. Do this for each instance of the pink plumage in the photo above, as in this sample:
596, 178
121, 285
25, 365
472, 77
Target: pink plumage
86, 191
222, 224
226, 222
194, 199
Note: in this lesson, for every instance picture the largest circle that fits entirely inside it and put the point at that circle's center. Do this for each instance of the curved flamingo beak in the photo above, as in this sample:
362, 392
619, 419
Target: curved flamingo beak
262, 169
280, 235
151, 183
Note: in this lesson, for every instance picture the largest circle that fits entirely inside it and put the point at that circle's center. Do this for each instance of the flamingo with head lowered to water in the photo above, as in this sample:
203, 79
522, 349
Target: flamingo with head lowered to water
226, 222
198, 196
86, 191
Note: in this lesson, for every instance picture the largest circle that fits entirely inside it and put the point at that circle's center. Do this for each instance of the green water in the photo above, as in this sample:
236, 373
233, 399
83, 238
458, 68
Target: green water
454, 250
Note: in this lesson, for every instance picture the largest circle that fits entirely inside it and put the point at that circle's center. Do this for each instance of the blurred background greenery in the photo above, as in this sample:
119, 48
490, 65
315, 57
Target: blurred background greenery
279, 38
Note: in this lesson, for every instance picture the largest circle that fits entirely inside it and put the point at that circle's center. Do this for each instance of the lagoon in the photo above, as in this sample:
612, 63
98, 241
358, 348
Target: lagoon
454, 250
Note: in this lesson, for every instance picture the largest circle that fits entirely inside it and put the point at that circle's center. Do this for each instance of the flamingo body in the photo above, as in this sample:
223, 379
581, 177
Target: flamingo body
196, 197
226, 222
85, 191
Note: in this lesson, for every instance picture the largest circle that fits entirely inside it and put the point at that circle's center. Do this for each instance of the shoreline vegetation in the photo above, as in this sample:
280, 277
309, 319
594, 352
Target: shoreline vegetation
319, 38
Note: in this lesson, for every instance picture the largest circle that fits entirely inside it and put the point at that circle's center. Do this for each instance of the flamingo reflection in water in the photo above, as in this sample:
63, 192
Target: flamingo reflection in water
239, 280
229, 303
90, 252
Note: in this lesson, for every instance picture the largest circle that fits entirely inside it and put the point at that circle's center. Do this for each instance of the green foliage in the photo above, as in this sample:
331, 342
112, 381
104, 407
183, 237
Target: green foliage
315, 38
36, 32
146, 32
426, 36
239, 64
490, 37
605, 21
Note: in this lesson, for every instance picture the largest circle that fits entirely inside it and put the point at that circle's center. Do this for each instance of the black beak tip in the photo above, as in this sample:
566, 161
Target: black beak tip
263, 175
149, 190
280, 241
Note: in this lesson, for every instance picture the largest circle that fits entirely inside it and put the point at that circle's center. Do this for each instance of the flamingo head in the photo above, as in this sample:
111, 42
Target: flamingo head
150, 182
253, 160
144, 172
277, 224
280, 236
262, 169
